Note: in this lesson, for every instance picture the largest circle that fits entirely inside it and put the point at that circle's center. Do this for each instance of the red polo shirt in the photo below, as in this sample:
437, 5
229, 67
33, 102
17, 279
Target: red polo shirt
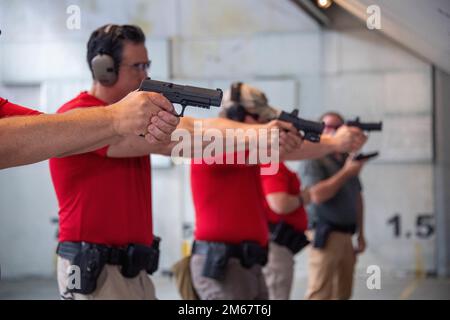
284, 181
8, 109
102, 200
228, 203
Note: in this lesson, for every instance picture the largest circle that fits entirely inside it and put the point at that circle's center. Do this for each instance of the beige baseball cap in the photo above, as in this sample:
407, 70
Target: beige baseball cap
253, 100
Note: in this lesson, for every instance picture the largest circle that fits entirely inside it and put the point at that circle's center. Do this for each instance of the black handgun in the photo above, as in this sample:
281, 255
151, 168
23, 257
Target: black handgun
365, 156
365, 126
311, 129
184, 95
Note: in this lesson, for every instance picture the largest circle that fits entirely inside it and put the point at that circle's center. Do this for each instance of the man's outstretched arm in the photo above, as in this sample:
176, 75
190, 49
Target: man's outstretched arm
346, 139
159, 142
29, 139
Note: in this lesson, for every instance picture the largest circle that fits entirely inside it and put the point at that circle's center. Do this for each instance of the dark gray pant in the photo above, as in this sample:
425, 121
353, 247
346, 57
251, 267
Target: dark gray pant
239, 283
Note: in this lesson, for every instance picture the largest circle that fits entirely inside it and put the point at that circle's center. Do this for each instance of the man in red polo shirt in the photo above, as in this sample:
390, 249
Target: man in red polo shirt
229, 219
287, 218
231, 231
104, 196
28, 139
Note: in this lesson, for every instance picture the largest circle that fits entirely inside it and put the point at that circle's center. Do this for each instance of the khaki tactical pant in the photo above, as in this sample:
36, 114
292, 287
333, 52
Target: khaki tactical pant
111, 285
330, 269
279, 272
239, 283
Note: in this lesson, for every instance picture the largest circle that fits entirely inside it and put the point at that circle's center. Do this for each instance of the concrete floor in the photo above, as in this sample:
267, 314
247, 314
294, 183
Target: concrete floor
392, 288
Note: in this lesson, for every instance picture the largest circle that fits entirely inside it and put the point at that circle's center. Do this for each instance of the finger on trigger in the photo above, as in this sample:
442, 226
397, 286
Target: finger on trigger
169, 117
296, 136
291, 127
161, 101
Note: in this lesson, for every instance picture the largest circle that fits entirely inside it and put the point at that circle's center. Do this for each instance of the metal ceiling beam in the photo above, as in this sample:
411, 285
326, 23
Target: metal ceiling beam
313, 12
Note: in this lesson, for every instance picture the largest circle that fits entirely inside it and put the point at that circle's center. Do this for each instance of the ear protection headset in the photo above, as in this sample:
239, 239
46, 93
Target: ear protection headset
103, 64
236, 112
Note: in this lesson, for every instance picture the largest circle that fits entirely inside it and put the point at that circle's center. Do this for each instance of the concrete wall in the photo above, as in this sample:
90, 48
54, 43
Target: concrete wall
270, 44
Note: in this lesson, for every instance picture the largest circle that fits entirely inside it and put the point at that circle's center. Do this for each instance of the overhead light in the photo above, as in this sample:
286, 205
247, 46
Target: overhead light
324, 4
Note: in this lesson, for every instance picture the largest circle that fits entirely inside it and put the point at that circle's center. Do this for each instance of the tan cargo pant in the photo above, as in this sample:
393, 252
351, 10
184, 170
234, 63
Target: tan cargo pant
111, 285
239, 283
279, 272
330, 269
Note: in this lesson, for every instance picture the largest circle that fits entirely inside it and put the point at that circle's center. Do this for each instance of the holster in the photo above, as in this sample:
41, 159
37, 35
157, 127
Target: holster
322, 232
217, 255
252, 253
90, 260
140, 257
285, 235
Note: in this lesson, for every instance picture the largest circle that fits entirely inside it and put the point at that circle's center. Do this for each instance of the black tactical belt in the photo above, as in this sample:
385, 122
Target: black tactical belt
111, 255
